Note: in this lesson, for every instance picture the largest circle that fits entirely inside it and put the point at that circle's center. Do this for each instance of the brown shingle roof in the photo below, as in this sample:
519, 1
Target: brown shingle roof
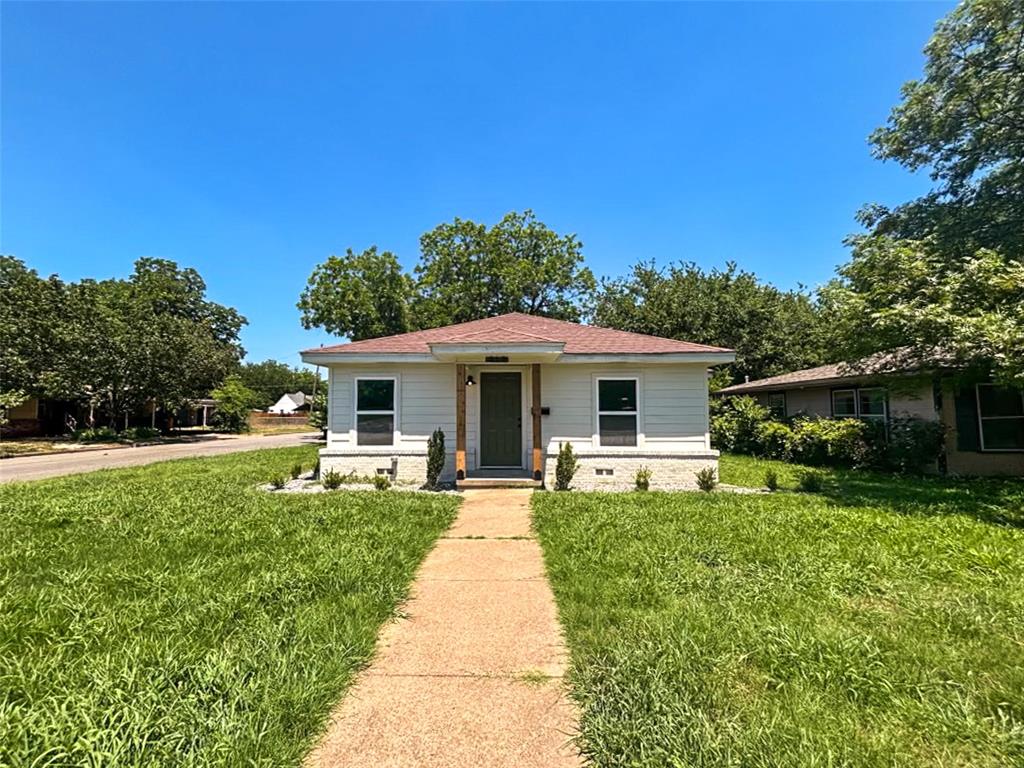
517, 328
879, 364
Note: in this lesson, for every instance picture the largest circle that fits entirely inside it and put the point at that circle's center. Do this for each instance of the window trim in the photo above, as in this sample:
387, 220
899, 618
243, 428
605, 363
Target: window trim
356, 413
598, 413
882, 417
981, 419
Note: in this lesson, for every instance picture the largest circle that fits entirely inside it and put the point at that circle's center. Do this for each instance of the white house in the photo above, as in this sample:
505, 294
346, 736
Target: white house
508, 390
290, 402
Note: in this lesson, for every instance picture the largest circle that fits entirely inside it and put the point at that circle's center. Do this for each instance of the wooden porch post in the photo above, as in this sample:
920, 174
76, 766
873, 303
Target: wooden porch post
460, 422
538, 448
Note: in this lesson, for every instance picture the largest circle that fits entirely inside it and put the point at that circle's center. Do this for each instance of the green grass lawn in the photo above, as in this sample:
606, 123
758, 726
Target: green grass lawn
879, 623
174, 615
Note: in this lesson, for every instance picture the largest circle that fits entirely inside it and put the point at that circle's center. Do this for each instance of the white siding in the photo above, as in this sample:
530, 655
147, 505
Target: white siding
673, 406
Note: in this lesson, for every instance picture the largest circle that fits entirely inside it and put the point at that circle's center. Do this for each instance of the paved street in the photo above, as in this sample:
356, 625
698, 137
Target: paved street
37, 467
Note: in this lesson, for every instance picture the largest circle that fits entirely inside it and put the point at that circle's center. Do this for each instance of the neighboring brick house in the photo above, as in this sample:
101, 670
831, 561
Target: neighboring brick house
508, 390
984, 423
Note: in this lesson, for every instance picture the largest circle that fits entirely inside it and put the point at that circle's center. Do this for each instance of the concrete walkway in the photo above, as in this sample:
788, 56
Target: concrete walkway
53, 465
471, 675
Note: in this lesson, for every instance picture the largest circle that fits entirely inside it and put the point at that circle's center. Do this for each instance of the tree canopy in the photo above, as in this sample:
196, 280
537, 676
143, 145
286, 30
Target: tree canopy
943, 276
466, 271
772, 331
115, 344
270, 379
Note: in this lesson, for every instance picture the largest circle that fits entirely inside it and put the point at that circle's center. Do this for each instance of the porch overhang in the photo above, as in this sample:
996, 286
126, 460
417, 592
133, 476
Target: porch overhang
470, 353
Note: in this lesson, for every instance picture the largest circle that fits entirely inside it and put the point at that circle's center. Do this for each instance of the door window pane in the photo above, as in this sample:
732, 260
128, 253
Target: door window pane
616, 395
617, 430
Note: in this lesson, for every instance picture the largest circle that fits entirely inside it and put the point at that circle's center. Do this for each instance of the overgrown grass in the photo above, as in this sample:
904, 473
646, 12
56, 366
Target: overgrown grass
174, 615
852, 627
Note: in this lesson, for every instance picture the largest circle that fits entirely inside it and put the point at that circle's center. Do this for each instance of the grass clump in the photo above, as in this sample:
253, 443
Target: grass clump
381, 482
175, 614
296, 470
875, 624
811, 481
771, 479
707, 479
277, 482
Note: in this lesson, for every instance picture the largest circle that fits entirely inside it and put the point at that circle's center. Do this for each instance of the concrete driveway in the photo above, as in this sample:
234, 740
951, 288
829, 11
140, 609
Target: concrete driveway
37, 467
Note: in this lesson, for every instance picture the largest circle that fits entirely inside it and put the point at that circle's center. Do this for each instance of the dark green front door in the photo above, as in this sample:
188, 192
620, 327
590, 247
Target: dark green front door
501, 427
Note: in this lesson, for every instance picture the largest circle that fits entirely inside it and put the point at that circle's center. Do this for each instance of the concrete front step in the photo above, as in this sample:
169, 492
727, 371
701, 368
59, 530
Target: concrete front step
497, 482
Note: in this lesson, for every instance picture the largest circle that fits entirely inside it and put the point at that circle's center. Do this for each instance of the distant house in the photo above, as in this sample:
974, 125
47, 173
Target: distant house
291, 403
508, 391
984, 422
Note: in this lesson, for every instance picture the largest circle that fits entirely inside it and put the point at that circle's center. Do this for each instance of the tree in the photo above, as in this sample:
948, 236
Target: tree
358, 295
270, 379
772, 331
30, 340
466, 271
234, 404
318, 410
942, 277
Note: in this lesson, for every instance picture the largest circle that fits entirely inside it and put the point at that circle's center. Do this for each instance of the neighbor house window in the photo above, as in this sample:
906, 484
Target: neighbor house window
617, 412
1000, 418
868, 404
375, 411
777, 405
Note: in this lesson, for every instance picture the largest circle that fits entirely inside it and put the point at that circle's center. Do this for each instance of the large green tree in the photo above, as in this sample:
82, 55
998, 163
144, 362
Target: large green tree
772, 331
30, 338
941, 276
466, 271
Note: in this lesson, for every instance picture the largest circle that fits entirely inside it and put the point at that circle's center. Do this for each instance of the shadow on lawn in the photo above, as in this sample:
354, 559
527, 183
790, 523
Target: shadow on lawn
990, 500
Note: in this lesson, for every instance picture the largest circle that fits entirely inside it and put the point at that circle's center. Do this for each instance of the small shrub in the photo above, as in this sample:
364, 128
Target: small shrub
774, 440
331, 480
832, 442
643, 479
277, 482
811, 481
435, 457
234, 404
296, 471
381, 482
707, 479
135, 434
771, 479
734, 424
914, 444
565, 467
95, 435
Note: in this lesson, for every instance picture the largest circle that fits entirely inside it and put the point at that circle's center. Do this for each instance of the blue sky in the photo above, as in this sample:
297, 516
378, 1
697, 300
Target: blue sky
251, 141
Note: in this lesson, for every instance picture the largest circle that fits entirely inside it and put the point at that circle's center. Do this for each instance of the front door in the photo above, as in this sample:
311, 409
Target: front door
501, 419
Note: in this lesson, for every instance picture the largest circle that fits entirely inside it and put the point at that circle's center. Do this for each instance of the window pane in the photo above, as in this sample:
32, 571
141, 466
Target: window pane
1003, 434
618, 430
844, 403
616, 395
376, 395
872, 402
777, 405
1000, 401
375, 429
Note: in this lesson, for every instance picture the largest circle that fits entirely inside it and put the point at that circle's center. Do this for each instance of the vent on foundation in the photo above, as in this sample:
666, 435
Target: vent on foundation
383, 470
603, 471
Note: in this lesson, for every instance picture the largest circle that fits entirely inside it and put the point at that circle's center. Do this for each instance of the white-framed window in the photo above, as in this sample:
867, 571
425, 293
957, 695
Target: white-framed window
777, 404
868, 403
618, 411
375, 410
1000, 418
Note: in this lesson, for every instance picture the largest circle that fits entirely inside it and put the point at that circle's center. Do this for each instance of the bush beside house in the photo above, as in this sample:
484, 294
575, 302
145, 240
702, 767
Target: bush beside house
908, 444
